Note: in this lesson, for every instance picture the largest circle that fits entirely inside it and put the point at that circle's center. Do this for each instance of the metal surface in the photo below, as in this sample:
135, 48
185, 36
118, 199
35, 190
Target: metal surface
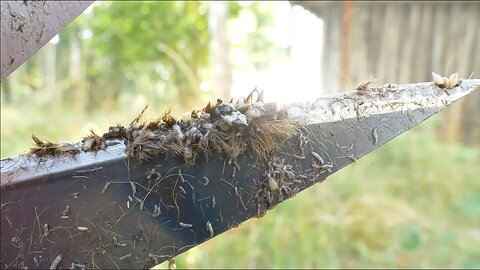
28, 25
113, 219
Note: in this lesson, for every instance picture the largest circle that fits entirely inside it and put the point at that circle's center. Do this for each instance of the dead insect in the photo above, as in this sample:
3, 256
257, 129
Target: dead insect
35, 261
453, 81
56, 262
182, 190
444, 82
115, 241
105, 187
272, 184
375, 136
209, 228
318, 157
364, 86
185, 225
75, 195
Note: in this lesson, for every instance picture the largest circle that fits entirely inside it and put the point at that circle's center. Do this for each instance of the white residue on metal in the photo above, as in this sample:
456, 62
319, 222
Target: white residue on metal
378, 100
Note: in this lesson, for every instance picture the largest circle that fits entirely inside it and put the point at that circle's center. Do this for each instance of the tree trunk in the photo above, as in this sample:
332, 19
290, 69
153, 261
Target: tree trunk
219, 48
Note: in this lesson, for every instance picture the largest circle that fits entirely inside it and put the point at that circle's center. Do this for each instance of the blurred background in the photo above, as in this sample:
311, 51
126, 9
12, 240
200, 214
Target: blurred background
413, 203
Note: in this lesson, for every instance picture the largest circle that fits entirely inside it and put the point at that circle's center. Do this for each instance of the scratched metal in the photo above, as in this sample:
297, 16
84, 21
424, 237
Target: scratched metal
115, 227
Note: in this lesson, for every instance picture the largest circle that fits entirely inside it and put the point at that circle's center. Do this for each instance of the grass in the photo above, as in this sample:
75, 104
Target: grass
415, 202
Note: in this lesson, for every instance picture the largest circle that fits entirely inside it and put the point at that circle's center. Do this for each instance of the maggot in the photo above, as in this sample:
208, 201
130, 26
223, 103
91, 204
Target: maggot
318, 157
82, 229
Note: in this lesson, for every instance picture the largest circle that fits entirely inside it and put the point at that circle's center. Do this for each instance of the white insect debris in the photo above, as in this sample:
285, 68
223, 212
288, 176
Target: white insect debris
134, 188
126, 256
214, 203
46, 229
56, 262
206, 180
105, 187
65, 212
318, 157
185, 225
210, 228
82, 229
156, 211
375, 136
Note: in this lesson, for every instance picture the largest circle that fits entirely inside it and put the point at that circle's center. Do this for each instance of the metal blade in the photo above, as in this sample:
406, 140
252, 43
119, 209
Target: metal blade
28, 25
102, 210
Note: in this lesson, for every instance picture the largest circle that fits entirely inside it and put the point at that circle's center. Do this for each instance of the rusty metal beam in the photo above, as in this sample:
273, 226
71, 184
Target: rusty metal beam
28, 25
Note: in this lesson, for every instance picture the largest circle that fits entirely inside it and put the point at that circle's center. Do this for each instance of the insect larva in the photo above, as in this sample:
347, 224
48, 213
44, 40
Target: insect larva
105, 187
206, 180
126, 256
318, 157
56, 262
182, 189
210, 228
185, 225
115, 241
82, 229
213, 202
